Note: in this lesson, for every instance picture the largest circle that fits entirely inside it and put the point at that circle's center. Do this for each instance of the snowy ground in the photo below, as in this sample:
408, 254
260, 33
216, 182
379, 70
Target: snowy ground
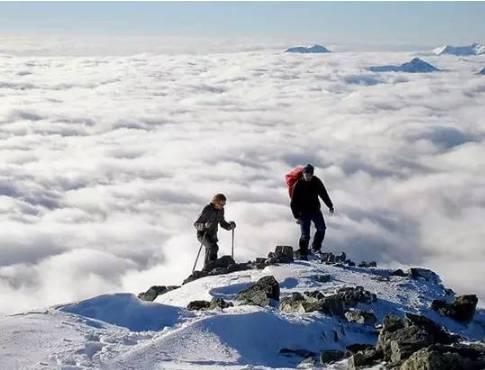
119, 331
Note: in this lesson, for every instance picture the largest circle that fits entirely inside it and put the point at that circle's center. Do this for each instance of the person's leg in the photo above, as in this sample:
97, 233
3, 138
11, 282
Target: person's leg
305, 222
319, 222
211, 249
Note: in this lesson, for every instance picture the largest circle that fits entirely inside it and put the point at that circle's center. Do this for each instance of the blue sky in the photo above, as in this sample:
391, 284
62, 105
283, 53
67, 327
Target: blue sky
374, 23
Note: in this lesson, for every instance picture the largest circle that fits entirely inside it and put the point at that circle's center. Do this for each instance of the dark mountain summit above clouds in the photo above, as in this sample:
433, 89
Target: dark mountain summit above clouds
307, 50
416, 65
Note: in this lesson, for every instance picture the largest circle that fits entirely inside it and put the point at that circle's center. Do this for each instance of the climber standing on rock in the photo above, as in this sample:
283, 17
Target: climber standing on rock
207, 226
305, 207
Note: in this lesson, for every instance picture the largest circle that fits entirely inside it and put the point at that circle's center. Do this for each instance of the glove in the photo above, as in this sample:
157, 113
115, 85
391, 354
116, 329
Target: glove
199, 227
332, 210
208, 225
298, 221
233, 225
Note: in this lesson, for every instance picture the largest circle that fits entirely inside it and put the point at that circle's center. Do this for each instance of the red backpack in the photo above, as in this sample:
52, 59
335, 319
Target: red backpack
292, 177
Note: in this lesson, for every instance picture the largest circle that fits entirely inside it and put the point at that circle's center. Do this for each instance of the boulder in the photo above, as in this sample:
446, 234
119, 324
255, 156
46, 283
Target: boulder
461, 309
399, 272
261, 293
329, 356
400, 338
364, 358
219, 303
206, 305
151, 294
423, 274
198, 305
447, 357
361, 317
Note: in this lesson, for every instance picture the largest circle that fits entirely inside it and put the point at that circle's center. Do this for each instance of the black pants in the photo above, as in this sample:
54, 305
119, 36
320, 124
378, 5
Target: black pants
211, 248
305, 223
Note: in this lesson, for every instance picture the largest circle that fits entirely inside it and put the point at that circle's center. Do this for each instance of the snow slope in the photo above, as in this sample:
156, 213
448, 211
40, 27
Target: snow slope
120, 332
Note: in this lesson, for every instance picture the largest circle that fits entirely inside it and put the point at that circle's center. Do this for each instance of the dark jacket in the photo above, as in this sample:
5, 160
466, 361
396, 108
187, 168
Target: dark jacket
305, 196
215, 217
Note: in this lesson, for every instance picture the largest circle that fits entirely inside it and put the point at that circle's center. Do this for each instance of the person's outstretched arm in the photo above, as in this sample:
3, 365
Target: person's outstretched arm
226, 225
322, 192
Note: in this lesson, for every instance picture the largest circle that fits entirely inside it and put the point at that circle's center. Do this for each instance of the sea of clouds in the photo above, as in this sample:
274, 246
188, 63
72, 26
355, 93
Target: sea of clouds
105, 163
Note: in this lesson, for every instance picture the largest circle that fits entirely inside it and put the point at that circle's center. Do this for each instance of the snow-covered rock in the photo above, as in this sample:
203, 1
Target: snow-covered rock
482, 72
416, 65
473, 49
310, 49
119, 331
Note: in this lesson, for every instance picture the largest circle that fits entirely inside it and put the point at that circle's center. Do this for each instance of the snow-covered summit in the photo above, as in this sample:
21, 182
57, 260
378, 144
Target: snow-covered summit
301, 321
473, 49
310, 49
416, 65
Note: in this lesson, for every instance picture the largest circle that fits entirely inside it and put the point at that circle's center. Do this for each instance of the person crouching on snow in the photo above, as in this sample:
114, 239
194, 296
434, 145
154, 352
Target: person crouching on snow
207, 226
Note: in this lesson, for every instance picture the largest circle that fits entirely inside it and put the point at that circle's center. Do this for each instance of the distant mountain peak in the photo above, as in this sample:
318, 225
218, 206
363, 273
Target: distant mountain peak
309, 49
416, 65
473, 49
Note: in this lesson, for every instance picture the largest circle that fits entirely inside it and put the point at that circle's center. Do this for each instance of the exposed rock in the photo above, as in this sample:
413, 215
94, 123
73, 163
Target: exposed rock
399, 272
368, 264
331, 356
261, 292
198, 305
364, 358
462, 309
222, 262
361, 317
205, 305
221, 266
282, 254
399, 338
293, 303
151, 294
424, 274
354, 295
446, 357
219, 303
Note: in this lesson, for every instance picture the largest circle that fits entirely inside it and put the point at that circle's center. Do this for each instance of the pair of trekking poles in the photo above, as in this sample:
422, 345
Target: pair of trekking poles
202, 243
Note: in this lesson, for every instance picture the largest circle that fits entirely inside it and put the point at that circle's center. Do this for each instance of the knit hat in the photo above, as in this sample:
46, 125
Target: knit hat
308, 169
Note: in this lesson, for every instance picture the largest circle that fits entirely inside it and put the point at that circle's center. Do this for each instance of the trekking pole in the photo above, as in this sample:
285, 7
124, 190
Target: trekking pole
198, 254
232, 253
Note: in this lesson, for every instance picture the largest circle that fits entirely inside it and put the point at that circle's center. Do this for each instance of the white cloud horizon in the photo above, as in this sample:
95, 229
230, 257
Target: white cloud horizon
107, 161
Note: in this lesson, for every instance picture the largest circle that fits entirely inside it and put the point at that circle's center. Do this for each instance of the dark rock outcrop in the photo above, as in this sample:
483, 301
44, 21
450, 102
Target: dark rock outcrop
368, 264
334, 304
423, 274
461, 309
206, 305
198, 305
282, 254
447, 357
151, 294
399, 338
261, 293
329, 356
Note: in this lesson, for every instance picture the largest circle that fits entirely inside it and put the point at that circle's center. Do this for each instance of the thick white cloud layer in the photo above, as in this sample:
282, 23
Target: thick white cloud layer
107, 161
